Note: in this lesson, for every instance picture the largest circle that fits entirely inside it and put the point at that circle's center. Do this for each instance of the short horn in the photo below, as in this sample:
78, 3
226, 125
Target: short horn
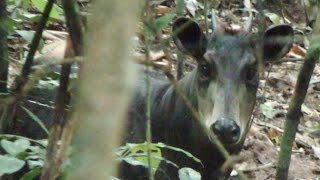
248, 24
215, 24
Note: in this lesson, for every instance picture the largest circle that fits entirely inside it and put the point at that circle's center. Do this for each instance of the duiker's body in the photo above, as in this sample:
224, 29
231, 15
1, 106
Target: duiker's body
222, 89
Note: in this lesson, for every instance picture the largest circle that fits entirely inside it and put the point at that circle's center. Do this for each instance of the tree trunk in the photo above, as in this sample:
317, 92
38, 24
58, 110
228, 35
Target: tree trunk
105, 76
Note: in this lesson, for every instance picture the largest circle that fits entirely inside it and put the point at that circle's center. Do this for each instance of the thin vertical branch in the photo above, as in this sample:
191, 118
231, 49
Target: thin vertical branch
3, 48
206, 17
3, 60
294, 114
74, 25
180, 63
20, 82
62, 129
150, 21
34, 46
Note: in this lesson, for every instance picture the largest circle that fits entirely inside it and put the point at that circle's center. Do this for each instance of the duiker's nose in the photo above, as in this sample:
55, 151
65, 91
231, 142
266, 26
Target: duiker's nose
227, 130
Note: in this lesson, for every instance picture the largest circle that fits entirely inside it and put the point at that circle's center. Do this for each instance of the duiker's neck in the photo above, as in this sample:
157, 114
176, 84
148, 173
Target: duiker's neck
172, 98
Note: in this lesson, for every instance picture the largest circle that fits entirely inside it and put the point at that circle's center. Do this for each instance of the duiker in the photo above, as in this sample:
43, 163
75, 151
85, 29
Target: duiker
222, 88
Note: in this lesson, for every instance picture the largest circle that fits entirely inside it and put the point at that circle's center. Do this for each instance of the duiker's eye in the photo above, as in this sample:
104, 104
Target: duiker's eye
205, 70
251, 74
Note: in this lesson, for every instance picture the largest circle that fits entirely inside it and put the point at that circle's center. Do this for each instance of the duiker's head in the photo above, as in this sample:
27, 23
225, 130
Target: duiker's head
227, 73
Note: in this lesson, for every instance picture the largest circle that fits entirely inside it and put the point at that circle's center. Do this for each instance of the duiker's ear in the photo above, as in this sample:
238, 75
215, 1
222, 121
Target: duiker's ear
277, 41
189, 37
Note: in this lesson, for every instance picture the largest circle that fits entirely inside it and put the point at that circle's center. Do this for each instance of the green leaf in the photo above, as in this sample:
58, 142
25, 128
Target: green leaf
36, 119
162, 145
306, 109
38, 152
143, 149
8, 25
274, 18
10, 2
136, 154
164, 21
188, 174
26, 35
55, 13
35, 163
16, 147
42, 142
9, 164
25, 15
39, 4
32, 174
181, 6
268, 111
131, 159
25, 4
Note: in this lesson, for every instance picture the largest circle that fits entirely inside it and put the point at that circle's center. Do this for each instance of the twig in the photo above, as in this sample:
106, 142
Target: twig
258, 168
149, 20
26, 69
62, 129
3, 50
284, 60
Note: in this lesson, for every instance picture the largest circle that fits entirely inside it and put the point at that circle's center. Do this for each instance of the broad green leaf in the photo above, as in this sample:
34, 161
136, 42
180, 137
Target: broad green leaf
25, 15
180, 8
132, 158
39, 4
32, 174
163, 21
55, 13
42, 142
49, 83
10, 2
26, 35
8, 25
25, 4
268, 111
16, 147
306, 109
142, 148
36, 119
9, 164
136, 154
274, 18
188, 174
37, 151
35, 163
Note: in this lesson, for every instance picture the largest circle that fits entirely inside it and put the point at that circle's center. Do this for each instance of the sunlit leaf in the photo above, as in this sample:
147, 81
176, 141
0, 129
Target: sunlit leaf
55, 13
35, 163
32, 174
164, 21
162, 145
143, 148
268, 111
26, 35
274, 18
9, 164
8, 25
16, 147
188, 174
